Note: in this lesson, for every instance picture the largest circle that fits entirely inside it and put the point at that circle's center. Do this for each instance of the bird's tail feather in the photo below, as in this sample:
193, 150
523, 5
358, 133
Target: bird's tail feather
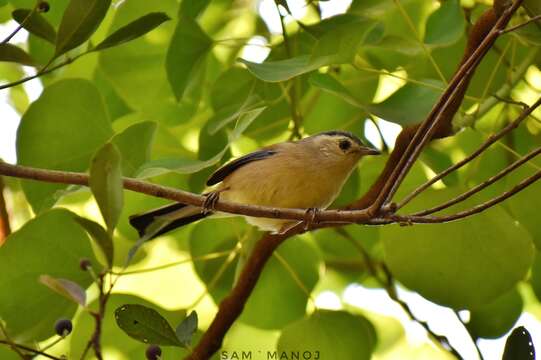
170, 217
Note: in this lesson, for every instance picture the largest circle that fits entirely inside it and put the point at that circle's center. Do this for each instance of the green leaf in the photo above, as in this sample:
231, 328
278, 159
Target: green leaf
519, 345
188, 47
55, 13
224, 235
113, 339
156, 102
533, 6
68, 289
410, 104
100, 236
190, 166
133, 30
71, 123
177, 165
186, 329
192, 8
523, 209
445, 26
232, 87
340, 42
330, 335
331, 85
494, 253
286, 283
81, 18
535, 279
106, 184
496, 318
146, 325
12, 53
530, 34
282, 70
51, 243
36, 24
134, 145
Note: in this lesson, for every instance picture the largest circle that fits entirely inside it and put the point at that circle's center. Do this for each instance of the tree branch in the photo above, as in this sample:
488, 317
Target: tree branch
482, 185
5, 228
231, 306
438, 124
74, 178
488, 142
475, 210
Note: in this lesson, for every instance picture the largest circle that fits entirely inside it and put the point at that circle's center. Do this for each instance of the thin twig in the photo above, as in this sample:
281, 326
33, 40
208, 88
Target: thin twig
516, 27
21, 25
10, 342
491, 140
388, 284
420, 41
458, 84
428, 128
472, 337
29, 349
45, 70
475, 210
480, 186
215, 255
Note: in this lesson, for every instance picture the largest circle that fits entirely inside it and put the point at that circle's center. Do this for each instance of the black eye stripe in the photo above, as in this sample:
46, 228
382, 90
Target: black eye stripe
344, 144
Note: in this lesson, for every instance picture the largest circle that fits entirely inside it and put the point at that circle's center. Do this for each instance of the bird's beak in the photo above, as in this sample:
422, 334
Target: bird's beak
365, 150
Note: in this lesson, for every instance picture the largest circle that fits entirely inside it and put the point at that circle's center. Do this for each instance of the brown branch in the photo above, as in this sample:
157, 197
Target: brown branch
30, 350
437, 125
480, 186
5, 228
475, 210
231, 307
488, 142
516, 27
439, 122
74, 178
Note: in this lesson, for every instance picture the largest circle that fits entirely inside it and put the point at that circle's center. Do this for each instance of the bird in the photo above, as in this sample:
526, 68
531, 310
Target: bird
304, 174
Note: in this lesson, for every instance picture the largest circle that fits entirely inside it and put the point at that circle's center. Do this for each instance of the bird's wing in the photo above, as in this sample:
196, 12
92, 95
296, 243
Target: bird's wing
228, 168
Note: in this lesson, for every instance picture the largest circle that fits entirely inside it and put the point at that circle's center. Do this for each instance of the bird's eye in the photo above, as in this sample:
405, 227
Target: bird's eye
344, 144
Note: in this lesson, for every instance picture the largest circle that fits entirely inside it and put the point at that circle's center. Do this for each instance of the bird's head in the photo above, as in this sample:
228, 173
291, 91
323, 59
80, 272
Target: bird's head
341, 145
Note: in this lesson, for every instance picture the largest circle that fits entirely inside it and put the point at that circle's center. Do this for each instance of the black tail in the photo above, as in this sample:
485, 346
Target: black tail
141, 222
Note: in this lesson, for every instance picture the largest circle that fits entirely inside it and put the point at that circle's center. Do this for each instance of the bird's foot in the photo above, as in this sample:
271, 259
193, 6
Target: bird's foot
310, 217
211, 199
406, 222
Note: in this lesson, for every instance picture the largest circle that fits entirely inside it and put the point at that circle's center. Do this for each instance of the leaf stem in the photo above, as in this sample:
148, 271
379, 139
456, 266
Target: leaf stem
29, 349
21, 25
45, 70
293, 92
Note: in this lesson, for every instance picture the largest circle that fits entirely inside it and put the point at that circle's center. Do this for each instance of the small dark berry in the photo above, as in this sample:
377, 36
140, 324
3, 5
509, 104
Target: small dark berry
84, 264
43, 6
153, 352
63, 327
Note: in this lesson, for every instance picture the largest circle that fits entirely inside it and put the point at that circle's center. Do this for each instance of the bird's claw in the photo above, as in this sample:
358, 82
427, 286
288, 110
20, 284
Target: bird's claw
406, 222
210, 202
310, 217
